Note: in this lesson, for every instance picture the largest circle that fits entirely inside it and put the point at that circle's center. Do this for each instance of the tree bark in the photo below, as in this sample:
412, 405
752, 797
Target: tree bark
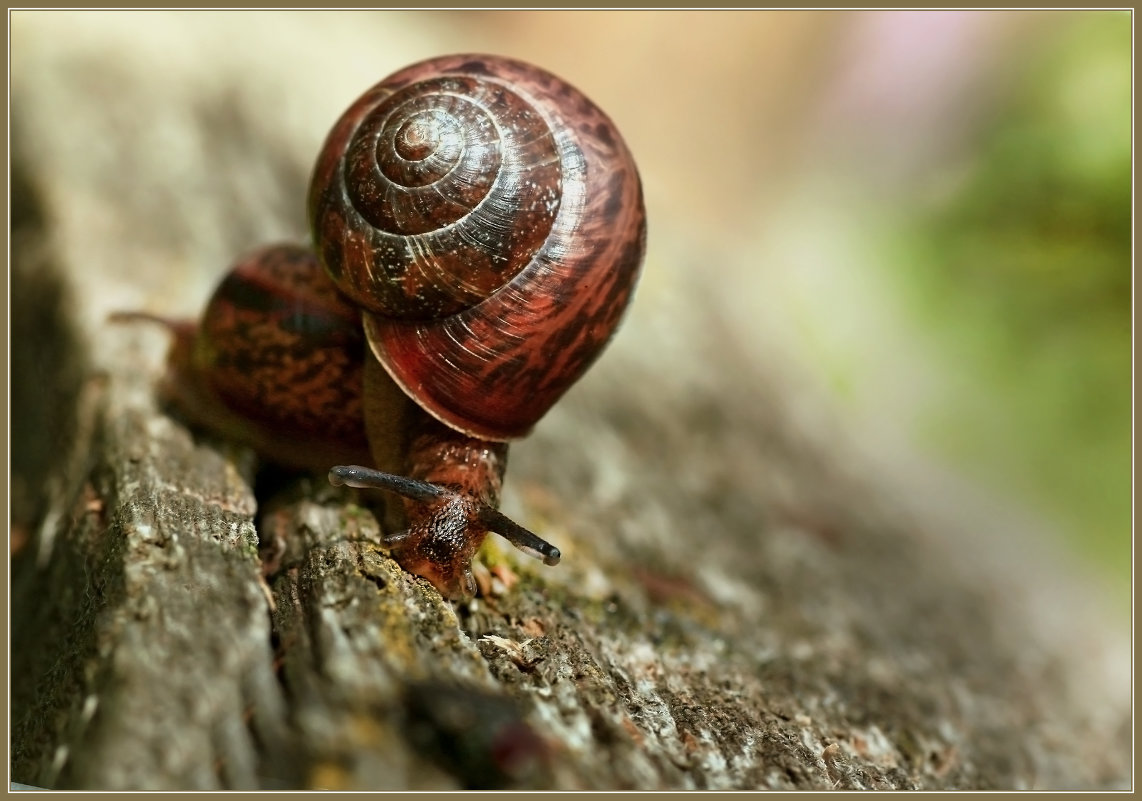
742, 604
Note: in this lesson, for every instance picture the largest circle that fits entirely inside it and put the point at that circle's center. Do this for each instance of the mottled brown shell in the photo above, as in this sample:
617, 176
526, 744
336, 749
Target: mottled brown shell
278, 344
489, 219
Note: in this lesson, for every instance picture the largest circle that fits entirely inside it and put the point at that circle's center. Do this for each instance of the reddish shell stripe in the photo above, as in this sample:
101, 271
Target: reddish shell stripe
494, 346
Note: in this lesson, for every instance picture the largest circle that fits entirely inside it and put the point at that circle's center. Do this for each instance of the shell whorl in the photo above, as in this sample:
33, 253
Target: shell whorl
489, 220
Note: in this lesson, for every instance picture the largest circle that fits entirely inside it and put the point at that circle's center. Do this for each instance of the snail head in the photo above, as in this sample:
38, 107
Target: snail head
445, 529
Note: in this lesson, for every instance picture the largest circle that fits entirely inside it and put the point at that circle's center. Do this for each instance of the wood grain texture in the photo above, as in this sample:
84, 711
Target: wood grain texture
743, 601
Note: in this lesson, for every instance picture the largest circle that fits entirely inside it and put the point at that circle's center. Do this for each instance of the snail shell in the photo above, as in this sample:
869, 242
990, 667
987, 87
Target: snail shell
488, 219
274, 341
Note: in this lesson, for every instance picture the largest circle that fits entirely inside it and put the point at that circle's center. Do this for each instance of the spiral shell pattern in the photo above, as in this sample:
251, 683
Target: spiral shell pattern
488, 219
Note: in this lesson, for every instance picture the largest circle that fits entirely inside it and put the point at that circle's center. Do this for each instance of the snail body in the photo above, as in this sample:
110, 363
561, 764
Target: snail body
478, 230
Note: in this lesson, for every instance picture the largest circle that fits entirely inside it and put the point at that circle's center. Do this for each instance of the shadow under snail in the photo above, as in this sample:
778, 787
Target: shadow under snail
478, 229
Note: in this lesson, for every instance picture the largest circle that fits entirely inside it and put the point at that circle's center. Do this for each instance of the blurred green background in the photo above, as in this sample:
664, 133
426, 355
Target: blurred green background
1023, 273
997, 338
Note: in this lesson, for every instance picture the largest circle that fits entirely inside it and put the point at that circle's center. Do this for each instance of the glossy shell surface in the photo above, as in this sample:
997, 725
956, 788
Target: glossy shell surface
489, 220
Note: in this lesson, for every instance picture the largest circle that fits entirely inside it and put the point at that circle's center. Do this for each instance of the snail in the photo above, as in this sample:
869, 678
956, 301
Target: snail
478, 230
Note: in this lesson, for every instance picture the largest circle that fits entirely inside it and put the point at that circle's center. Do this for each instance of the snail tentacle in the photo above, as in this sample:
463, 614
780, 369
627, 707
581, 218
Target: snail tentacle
486, 517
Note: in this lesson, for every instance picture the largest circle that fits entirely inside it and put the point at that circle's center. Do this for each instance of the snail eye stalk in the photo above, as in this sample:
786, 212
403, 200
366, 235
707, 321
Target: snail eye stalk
485, 517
